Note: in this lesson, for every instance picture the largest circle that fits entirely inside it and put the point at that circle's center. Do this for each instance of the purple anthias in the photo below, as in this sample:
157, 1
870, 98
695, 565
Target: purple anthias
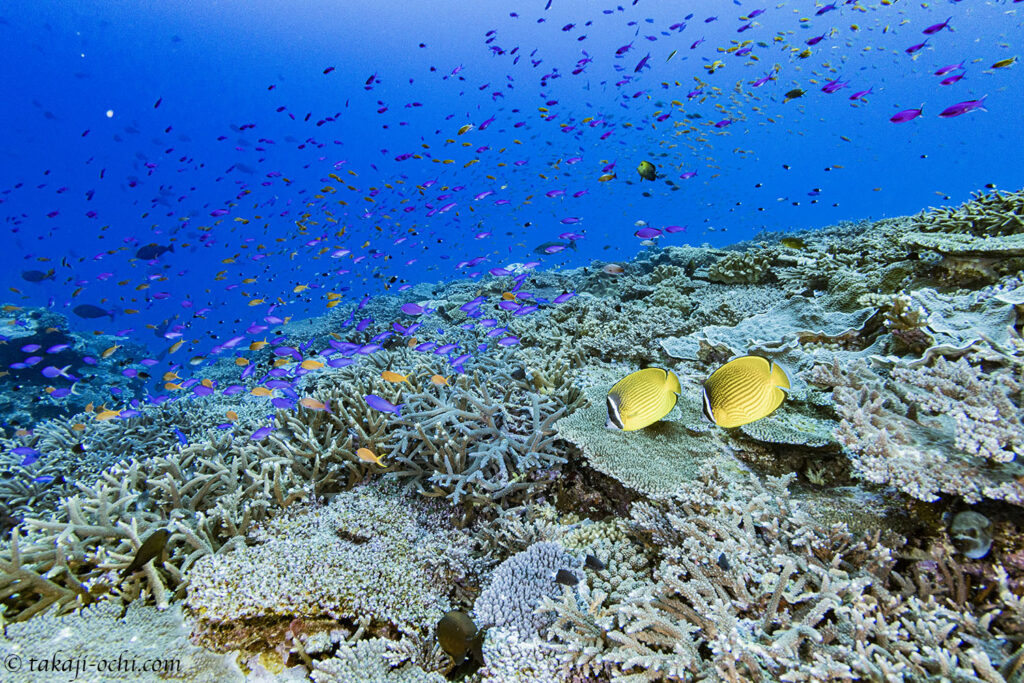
906, 115
383, 405
963, 108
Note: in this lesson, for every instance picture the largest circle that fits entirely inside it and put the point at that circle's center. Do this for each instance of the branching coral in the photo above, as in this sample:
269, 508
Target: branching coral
517, 586
967, 446
750, 588
993, 213
480, 440
207, 495
747, 267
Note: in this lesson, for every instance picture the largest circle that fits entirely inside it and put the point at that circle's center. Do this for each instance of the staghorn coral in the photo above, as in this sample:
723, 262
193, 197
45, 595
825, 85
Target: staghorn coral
748, 587
987, 423
967, 449
207, 495
482, 439
86, 447
992, 213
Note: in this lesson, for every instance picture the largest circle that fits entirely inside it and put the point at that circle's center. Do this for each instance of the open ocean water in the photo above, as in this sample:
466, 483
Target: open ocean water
486, 341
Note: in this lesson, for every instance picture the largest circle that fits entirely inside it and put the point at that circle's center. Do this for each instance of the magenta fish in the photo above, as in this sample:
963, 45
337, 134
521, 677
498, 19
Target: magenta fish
914, 48
949, 67
950, 80
562, 298
647, 233
412, 309
935, 28
963, 108
383, 405
906, 115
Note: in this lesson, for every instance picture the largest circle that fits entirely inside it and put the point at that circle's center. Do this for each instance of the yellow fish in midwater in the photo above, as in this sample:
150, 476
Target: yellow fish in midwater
793, 243
744, 390
1003, 63
310, 364
438, 380
366, 455
261, 391
107, 353
257, 345
107, 415
642, 398
389, 376
176, 345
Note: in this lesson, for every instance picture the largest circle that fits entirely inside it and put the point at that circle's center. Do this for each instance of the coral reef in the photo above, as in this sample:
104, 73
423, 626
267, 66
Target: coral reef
687, 558
516, 587
365, 554
749, 587
655, 461
744, 267
478, 440
106, 641
960, 435
373, 661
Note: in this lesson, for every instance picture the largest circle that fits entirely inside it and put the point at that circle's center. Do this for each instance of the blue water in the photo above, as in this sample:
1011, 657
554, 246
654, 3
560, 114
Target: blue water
128, 124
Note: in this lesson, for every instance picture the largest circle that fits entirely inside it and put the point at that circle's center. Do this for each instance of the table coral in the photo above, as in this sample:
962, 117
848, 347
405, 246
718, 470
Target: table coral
657, 460
139, 636
364, 554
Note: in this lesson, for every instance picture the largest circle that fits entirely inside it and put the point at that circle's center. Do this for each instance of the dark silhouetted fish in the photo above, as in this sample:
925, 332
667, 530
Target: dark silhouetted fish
152, 251
152, 547
36, 275
90, 312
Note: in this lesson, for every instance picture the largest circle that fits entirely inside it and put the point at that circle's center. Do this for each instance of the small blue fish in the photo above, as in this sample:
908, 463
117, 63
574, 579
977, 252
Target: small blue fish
182, 439
261, 433
383, 405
